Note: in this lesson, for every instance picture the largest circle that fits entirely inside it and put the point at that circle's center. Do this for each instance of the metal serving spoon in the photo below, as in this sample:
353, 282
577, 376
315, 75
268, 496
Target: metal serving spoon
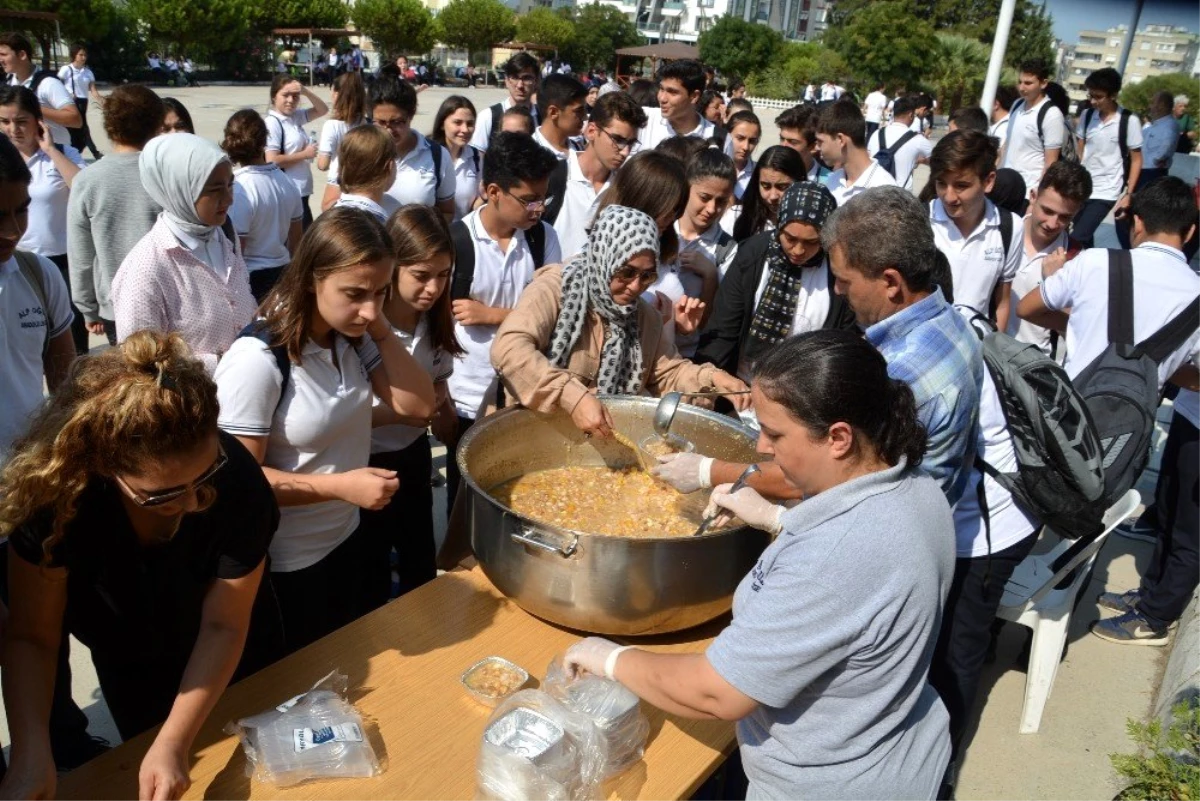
664, 413
737, 485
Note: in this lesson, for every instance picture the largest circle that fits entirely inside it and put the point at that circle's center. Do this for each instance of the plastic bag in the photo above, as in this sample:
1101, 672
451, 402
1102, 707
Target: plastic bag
317, 735
535, 747
615, 711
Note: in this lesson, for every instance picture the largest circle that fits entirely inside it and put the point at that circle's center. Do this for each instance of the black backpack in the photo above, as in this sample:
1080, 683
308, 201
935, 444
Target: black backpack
886, 156
464, 255
498, 114
41, 75
1068, 152
1121, 387
556, 191
1122, 137
257, 329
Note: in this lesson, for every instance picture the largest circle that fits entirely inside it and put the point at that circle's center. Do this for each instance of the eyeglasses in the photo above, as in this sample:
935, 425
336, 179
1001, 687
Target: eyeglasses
160, 498
620, 142
627, 275
530, 79
397, 124
530, 205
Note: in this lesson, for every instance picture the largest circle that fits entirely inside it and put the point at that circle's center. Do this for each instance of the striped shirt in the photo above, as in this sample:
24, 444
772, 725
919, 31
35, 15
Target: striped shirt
932, 349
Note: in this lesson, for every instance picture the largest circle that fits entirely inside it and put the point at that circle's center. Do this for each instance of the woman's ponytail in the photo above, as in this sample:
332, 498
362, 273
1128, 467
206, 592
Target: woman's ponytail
903, 435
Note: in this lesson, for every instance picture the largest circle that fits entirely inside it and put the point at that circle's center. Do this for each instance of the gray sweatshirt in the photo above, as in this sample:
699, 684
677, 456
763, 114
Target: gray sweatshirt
108, 213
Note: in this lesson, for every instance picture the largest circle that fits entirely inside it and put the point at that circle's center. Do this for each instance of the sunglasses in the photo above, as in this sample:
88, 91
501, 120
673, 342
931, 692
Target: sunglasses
148, 500
627, 274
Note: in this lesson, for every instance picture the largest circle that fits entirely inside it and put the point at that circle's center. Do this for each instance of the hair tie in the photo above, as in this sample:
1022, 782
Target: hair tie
163, 379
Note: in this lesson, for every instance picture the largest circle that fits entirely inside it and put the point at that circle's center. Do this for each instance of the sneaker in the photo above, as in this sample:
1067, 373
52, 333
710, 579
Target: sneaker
1129, 629
1141, 529
1119, 602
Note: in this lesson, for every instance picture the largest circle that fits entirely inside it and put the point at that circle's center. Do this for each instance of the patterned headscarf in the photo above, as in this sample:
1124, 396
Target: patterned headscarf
805, 202
618, 234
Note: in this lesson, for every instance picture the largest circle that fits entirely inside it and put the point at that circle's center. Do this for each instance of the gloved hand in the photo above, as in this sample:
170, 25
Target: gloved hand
746, 504
594, 655
686, 472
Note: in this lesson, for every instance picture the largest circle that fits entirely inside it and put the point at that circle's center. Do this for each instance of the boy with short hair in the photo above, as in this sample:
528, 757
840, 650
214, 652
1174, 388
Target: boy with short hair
58, 105
501, 241
1108, 137
679, 86
1036, 128
978, 240
873, 108
841, 138
911, 151
1005, 97
611, 136
521, 79
563, 112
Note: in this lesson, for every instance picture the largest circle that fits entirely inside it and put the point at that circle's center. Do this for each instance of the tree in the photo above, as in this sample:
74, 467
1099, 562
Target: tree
797, 64
396, 26
600, 31
304, 13
85, 21
207, 25
959, 69
887, 42
476, 25
1136, 96
545, 27
1032, 35
737, 47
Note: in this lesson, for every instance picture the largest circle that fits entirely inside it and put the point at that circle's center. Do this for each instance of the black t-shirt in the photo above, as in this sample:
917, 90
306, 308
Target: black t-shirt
129, 602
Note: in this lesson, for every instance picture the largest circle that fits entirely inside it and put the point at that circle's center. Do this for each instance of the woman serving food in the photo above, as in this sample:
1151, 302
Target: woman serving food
580, 329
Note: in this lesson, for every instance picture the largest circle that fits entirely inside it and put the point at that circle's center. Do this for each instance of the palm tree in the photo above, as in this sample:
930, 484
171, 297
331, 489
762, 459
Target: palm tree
959, 68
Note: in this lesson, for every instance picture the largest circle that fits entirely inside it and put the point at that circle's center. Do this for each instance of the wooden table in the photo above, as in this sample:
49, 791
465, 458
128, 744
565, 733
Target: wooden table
404, 662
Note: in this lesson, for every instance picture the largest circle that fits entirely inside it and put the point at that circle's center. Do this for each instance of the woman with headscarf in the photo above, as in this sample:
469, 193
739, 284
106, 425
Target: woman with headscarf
581, 329
779, 284
185, 274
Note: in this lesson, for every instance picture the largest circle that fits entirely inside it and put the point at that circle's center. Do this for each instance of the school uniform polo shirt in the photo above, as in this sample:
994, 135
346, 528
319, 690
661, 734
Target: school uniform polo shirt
906, 156
1024, 150
468, 176
499, 278
483, 124
265, 204
658, 128
561, 155
416, 181
1163, 285
999, 129
1102, 152
23, 323
285, 135
978, 261
51, 93
580, 199
1027, 279
871, 177
46, 234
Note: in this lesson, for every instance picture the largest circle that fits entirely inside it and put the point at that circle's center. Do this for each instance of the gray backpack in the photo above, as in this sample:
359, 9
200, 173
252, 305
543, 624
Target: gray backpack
1059, 478
1120, 386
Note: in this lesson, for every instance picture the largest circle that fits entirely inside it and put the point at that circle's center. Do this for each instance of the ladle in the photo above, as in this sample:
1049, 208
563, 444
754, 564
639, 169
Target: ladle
737, 485
664, 413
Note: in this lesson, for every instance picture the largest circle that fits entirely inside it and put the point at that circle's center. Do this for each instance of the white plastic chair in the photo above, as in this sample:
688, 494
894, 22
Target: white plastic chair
1038, 598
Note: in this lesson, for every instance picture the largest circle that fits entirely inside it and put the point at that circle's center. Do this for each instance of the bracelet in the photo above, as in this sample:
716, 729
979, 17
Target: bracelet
610, 663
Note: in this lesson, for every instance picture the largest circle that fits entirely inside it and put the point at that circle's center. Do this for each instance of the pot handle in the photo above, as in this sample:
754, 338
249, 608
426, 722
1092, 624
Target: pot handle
545, 541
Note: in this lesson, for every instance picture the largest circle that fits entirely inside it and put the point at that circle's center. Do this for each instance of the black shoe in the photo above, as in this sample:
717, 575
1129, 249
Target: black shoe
69, 756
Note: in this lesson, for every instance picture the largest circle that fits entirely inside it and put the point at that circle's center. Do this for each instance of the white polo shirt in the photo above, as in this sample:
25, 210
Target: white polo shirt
977, 261
572, 144
875, 103
331, 139
580, 199
48, 196
1024, 151
1027, 279
499, 278
675, 282
468, 177
319, 424
871, 177
1163, 286
433, 360
286, 135
999, 129
658, 128
906, 157
1102, 152
51, 94
381, 212
23, 324
483, 123
78, 82
265, 203
415, 179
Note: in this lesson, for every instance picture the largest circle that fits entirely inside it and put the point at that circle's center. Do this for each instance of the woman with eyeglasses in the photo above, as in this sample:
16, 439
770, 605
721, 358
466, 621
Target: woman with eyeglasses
424, 169
581, 328
136, 526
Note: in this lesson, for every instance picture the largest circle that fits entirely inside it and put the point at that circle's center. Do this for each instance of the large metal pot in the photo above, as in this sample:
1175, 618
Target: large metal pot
599, 583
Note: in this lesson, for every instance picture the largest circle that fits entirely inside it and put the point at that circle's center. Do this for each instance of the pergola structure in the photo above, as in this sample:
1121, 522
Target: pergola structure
315, 33
45, 18
666, 51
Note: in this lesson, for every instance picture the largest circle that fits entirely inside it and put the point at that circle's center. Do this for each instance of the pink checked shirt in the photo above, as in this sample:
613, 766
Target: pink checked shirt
162, 286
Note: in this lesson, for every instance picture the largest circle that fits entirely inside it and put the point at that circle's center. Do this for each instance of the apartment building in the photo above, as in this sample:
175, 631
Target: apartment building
1157, 50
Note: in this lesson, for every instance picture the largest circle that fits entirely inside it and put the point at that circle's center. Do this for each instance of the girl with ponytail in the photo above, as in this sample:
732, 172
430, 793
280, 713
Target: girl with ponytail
136, 526
833, 630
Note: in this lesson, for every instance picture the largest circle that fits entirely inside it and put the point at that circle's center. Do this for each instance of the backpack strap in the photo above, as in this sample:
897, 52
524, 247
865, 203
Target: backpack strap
725, 245
1006, 230
556, 190
883, 137
464, 261
475, 159
435, 151
31, 270
39, 76
900, 143
720, 134
1166, 340
535, 238
497, 114
1123, 144
257, 329
1120, 297
1041, 118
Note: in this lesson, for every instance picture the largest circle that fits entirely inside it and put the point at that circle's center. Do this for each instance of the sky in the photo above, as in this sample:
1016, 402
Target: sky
1073, 16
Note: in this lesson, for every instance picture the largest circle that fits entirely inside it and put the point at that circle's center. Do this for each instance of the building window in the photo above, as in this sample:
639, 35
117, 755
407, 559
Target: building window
1145, 45
1165, 48
1114, 43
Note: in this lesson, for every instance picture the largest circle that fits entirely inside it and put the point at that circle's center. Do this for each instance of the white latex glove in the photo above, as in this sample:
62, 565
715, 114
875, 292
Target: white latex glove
686, 472
594, 655
746, 504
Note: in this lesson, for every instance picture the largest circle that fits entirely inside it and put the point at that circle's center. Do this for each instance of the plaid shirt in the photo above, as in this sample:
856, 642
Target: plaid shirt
932, 349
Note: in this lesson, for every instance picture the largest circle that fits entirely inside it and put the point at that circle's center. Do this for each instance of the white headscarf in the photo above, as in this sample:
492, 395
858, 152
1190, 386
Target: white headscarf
175, 168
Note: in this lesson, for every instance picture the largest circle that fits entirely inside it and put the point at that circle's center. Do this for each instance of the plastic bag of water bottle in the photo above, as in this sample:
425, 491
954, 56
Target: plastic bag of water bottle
317, 735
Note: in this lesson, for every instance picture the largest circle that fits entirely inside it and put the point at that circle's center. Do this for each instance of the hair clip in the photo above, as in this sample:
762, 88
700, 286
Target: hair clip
165, 380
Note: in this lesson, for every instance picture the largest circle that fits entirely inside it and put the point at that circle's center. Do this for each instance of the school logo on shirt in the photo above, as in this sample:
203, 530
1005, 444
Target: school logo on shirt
32, 317
759, 576
993, 254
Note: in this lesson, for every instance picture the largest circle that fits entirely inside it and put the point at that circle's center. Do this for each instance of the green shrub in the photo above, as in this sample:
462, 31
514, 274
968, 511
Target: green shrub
1136, 97
1168, 765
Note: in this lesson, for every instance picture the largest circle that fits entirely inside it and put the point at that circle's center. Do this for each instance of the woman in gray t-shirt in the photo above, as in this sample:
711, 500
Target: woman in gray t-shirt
825, 663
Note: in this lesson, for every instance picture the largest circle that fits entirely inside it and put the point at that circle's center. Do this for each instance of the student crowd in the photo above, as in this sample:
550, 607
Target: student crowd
249, 466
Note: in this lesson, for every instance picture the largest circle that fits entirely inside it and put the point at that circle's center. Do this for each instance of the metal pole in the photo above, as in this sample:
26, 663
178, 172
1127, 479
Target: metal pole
996, 62
1127, 45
